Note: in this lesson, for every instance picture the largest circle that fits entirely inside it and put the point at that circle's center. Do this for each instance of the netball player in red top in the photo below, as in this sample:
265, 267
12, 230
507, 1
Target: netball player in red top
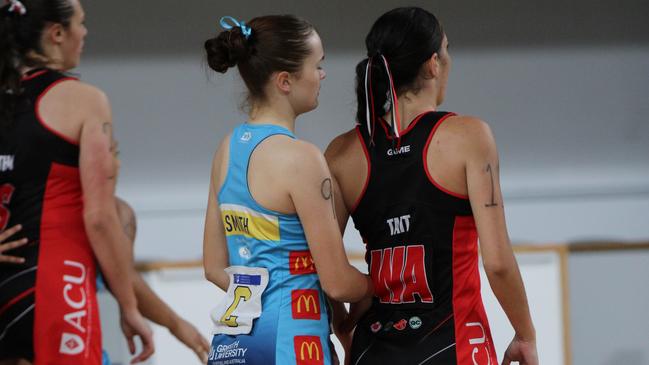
421, 186
57, 179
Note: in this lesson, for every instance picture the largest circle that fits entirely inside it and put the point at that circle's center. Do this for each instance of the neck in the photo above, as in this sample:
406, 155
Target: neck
267, 114
411, 105
41, 61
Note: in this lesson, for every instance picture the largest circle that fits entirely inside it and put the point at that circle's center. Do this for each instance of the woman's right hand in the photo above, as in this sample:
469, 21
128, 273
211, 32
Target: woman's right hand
11, 245
133, 324
522, 351
356, 311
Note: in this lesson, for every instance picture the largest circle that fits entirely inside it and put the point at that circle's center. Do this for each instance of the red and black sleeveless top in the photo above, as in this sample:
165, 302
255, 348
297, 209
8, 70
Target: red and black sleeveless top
422, 252
41, 189
30, 154
421, 239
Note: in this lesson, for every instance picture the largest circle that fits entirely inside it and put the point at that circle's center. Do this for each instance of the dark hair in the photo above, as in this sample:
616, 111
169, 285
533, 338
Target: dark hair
21, 35
407, 37
276, 43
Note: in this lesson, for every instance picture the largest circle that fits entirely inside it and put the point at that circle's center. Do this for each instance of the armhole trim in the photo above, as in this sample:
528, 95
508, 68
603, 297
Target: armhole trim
425, 160
247, 168
40, 119
369, 170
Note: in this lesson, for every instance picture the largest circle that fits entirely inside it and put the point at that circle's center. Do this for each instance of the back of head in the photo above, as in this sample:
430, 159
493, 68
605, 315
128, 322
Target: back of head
22, 23
265, 45
407, 37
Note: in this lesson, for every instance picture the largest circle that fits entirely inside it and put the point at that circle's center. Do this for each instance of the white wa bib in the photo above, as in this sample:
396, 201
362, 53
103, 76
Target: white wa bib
235, 314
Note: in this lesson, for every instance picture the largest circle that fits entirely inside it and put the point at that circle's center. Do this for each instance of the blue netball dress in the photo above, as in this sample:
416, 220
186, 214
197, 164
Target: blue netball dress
274, 311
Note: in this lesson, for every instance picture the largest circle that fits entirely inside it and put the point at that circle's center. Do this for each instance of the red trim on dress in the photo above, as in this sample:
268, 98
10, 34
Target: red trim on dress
40, 118
15, 300
425, 159
369, 170
32, 76
473, 341
384, 124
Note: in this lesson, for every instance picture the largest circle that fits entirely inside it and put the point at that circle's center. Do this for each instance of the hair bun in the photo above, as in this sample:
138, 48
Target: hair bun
226, 50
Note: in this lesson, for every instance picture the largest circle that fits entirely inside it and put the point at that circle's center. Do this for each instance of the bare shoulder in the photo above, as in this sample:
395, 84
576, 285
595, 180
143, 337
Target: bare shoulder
81, 91
293, 157
305, 154
472, 133
86, 98
467, 124
341, 146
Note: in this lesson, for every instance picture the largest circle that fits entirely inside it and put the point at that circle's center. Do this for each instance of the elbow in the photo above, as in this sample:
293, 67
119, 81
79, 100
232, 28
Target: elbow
332, 289
215, 277
210, 275
345, 284
496, 268
341, 291
336, 293
96, 222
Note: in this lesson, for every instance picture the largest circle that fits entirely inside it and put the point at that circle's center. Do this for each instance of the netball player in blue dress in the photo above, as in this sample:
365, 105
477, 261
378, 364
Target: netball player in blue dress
272, 241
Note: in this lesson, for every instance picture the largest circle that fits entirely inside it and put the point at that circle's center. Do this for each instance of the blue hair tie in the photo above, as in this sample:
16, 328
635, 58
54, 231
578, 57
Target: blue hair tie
245, 30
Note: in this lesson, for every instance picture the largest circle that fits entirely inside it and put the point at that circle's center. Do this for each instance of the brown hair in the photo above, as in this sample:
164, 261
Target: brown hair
21, 34
276, 43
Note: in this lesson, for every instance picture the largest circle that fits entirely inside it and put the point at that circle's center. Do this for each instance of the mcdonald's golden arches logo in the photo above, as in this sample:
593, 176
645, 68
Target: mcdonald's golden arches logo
308, 350
301, 263
305, 304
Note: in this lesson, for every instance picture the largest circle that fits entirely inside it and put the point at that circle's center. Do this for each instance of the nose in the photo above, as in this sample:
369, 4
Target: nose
323, 74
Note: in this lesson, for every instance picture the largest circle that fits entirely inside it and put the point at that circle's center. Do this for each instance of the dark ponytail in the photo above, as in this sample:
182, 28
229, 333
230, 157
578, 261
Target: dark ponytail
406, 37
274, 43
20, 36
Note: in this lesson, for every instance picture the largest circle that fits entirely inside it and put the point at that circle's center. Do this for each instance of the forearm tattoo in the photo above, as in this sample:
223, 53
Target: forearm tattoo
327, 191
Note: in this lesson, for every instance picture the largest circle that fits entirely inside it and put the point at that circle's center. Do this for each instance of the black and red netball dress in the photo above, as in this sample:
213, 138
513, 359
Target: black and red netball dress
48, 307
422, 253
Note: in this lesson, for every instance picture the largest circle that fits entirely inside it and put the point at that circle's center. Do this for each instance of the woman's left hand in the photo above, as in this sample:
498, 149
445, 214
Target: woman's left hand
11, 245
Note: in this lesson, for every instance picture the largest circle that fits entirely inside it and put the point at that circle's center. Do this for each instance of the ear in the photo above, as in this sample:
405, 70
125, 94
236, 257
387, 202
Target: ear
283, 82
54, 33
431, 66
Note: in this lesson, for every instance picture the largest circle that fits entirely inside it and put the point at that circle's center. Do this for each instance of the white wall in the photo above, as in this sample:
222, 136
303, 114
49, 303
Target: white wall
571, 126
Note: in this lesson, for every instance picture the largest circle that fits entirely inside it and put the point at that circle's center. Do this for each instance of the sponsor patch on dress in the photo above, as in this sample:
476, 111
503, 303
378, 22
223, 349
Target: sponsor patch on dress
414, 322
247, 279
376, 326
401, 325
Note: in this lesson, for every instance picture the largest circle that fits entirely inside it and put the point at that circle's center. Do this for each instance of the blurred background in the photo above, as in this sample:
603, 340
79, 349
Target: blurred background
563, 84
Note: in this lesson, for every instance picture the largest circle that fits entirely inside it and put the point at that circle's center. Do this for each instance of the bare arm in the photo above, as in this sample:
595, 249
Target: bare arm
151, 305
215, 248
343, 322
98, 169
483, 183
155, 309
313, 193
